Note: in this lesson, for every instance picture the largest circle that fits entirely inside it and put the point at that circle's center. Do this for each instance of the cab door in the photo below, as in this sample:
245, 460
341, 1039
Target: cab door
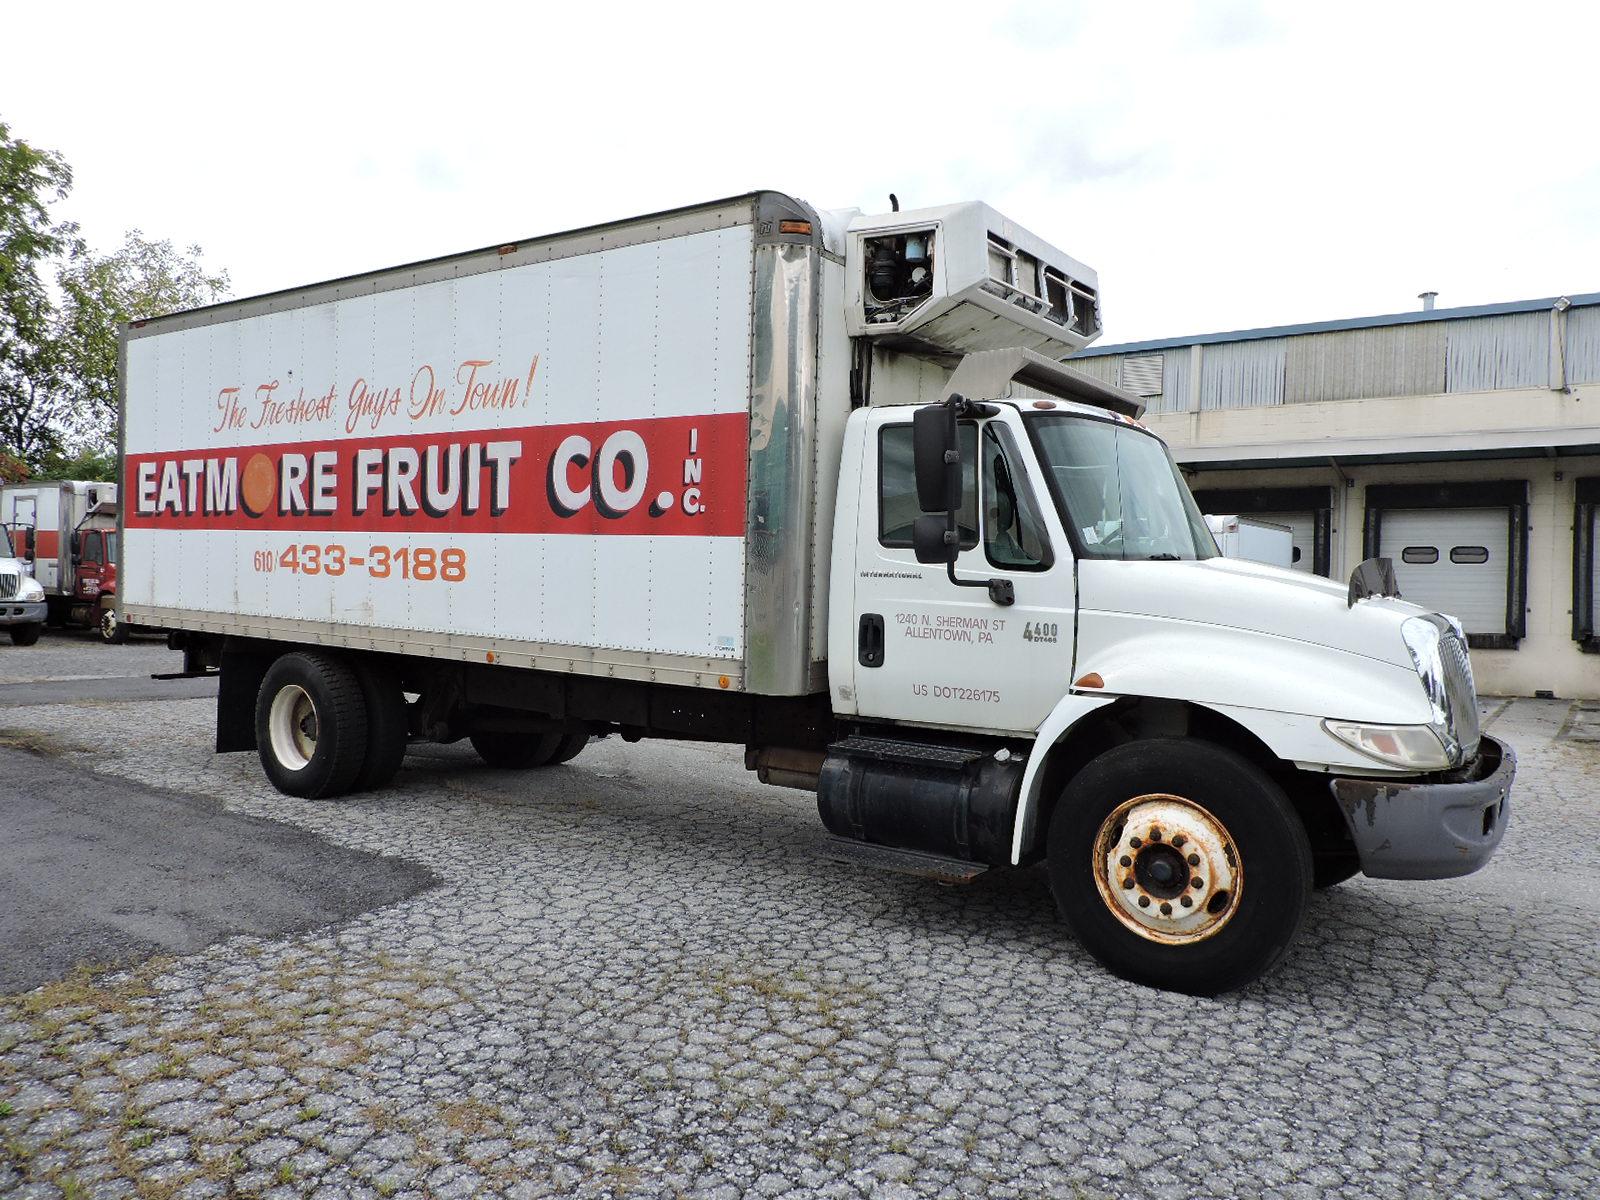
929, 652
89, 564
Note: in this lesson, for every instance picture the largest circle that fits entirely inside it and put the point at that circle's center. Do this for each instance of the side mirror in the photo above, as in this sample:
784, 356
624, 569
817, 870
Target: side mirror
937, 459
929, 542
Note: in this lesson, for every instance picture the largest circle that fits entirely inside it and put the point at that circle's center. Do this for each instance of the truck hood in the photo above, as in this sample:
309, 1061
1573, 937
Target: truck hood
1252, 597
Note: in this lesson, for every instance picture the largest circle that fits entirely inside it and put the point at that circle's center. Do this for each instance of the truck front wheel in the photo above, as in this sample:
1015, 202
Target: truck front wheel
26, 635
311, 725
113, 630
1180, 865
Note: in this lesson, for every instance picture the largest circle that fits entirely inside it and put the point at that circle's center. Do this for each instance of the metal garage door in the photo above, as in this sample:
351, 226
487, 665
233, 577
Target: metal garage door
1451, 560
1303, 531
1594, 570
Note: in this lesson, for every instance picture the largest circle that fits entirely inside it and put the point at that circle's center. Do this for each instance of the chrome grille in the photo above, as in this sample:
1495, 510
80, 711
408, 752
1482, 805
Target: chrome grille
1460, 692
10, 581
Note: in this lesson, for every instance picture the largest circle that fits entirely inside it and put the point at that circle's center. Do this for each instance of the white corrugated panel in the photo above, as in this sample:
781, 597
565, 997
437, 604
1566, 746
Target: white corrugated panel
1242, 374
1472, 592
1174, 382
1583, 345
1103, 367
1302, 531
1355, 364
1508, 351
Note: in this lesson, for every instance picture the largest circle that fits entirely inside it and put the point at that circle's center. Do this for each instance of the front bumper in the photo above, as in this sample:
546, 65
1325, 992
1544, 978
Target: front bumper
22, 612
1430, 830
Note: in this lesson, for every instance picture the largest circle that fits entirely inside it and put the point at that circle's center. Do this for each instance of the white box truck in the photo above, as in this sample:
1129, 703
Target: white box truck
812, 482
1252, 539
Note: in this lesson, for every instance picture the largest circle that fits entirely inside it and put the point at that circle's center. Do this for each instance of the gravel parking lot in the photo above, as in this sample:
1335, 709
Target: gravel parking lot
637, 976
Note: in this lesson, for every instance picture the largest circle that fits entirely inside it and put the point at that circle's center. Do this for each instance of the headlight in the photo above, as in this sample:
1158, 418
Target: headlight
1422, 635
1418, 747
30, 590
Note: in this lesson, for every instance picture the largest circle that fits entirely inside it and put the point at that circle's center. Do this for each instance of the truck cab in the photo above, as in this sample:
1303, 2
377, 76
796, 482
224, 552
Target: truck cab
1161, 722
22, 604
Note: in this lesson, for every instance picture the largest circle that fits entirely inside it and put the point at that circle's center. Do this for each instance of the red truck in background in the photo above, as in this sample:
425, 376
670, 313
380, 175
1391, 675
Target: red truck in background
65, 534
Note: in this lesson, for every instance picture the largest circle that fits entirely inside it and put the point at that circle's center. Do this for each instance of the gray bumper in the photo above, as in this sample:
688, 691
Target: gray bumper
19, 612
1430, 830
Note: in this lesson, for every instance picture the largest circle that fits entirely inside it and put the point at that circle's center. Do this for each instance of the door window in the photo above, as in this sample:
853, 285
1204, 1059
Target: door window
1013, 535
897, 486
92, 548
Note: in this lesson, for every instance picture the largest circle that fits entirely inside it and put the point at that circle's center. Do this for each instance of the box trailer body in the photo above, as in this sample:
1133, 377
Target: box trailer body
814, 482
65, 532
44, 518
1253, 539
616, 432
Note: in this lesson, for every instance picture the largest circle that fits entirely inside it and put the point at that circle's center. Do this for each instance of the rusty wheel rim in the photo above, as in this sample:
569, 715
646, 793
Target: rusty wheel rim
1167, 869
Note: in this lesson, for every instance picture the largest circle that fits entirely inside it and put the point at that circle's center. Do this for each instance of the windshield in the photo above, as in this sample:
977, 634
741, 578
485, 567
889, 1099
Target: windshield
1118, 490
5, 543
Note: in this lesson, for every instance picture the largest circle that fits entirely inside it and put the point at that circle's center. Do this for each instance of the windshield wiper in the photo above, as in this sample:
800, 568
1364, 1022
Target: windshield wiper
1164, 558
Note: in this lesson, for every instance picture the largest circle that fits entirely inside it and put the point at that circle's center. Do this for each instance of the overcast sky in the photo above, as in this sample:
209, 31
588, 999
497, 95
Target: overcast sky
1221, 165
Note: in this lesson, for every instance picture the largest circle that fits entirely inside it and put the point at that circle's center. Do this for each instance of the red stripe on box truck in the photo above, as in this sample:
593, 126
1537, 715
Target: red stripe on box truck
680, 476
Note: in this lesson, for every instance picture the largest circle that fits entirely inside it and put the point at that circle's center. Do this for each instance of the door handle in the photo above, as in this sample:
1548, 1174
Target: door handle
870, 641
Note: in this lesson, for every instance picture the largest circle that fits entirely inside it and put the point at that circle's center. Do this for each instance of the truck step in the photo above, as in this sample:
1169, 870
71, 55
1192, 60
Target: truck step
906, 862
911, 754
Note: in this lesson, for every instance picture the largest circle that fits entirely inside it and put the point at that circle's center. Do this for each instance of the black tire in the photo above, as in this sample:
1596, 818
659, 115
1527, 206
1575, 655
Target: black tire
1273, 857
571, 746
516, 751
387, 728
1331, 870
26, 635
326, 762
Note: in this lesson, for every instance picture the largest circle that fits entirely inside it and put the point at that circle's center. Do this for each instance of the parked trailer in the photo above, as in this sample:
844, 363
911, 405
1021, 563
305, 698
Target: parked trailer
1253, 539
66, 533
815, 483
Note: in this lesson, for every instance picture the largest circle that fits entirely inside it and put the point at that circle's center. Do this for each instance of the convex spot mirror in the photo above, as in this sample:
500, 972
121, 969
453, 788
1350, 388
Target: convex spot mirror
929, 541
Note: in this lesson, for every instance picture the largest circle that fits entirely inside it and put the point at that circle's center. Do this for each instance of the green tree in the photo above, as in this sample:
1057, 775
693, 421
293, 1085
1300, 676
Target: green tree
61, 306
143, 279
31, 243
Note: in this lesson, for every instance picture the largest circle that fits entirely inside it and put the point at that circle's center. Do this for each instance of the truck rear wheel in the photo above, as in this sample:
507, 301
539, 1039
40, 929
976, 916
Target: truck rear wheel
571, 746
387, 727
311, 725
1180, 865
26, 635
517, 751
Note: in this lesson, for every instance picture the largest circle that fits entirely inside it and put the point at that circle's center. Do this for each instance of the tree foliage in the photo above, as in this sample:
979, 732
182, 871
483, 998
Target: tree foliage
60, 308
31, 247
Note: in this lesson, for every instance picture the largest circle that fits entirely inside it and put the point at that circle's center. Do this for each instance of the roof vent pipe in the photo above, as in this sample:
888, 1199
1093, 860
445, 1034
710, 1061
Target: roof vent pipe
1427, 299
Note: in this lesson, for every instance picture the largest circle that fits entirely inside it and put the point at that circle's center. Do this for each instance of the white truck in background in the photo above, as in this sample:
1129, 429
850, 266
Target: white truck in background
815, 483
1253, 540
22, 606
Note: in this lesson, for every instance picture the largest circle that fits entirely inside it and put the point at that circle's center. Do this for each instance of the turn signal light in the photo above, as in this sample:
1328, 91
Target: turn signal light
1091, 680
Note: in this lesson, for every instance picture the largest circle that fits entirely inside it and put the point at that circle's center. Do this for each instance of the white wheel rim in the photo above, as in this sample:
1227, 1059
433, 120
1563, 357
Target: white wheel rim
1167, 869
108, 622
292, 725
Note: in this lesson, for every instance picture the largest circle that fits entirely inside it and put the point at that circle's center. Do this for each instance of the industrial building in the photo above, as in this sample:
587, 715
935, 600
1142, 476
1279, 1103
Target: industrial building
1462, 443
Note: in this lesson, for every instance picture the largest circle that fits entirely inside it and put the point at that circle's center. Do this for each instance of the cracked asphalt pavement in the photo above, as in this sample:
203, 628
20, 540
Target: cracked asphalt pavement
638, 976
